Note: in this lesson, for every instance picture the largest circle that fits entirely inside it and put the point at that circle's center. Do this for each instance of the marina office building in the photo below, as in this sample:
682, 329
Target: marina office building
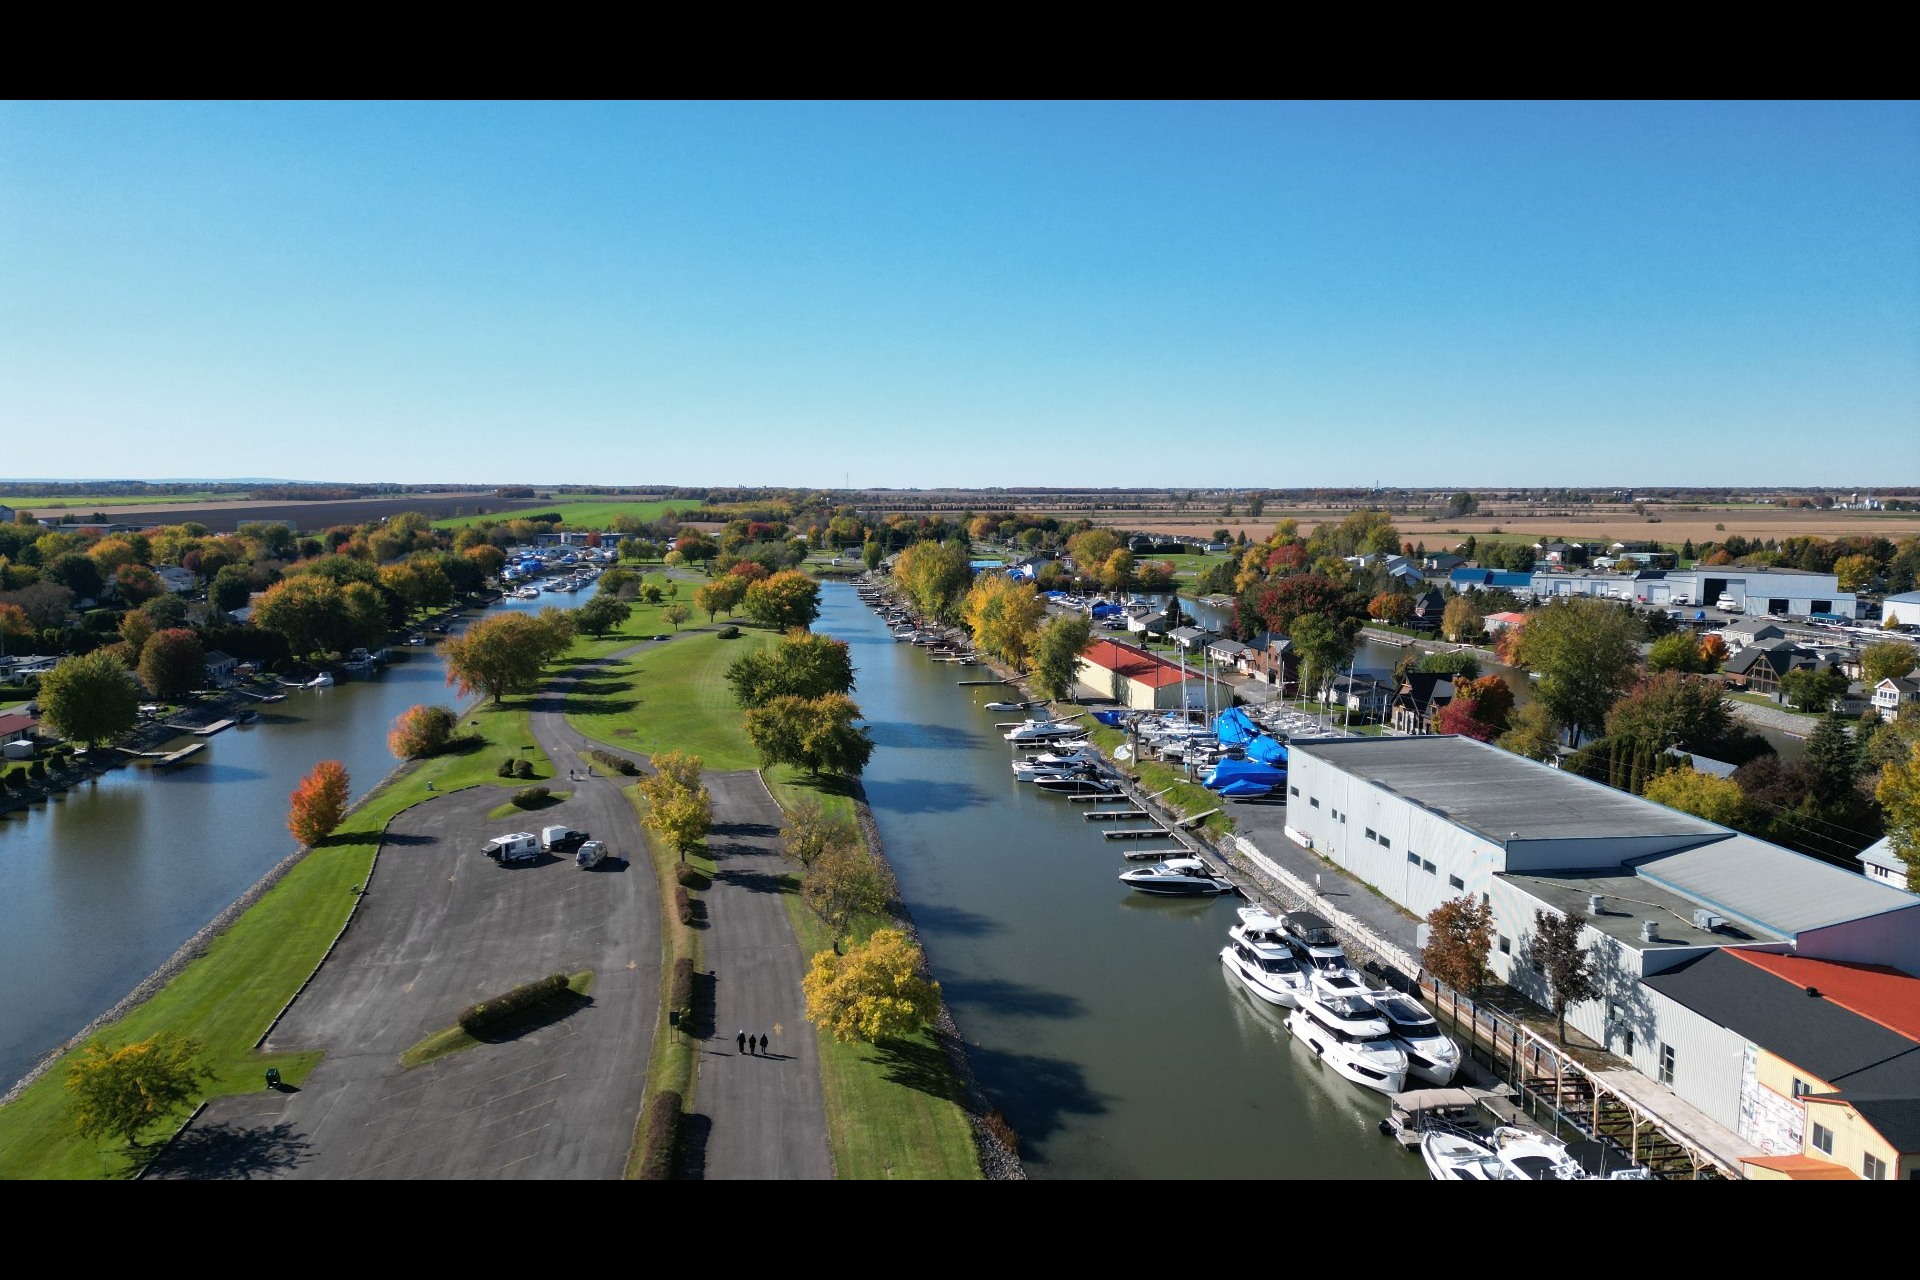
1427, 819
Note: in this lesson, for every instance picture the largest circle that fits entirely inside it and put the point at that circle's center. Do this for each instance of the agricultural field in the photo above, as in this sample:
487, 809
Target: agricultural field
595, 513
106, 502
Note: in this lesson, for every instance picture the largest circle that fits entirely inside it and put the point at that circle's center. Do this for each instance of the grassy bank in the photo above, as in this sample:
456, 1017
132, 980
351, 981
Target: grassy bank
674, 696
894, 1111
227, 997
1182, 796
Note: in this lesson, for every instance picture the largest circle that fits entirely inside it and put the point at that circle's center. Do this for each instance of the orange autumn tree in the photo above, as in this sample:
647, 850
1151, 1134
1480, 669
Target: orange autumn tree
318, 803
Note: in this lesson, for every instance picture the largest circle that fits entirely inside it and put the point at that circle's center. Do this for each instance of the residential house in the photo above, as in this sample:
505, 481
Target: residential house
1750, 631
1228, 653
1429, 605
6, 515
177, 580
1497, 622
1879, 862
1152, 624
1418, 701
1828, 1057
1363, 693
1271, 659
220, 666
1191, 638
1895, 692
1759, 666
1444, 563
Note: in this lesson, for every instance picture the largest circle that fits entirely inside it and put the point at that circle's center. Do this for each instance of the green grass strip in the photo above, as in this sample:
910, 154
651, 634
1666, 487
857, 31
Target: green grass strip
672, 697
450, 1040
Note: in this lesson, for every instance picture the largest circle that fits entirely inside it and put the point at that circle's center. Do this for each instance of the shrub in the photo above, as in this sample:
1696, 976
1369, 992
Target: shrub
506, 767
663, 1136
532, 797
37, 770
480, 1018
729, 632
619, 764
689, 876
680, 996
683, 904
997, 1126
421, 731
523, 768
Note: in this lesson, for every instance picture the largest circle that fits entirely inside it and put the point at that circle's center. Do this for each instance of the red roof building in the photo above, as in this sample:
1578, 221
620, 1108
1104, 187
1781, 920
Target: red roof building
1146, 681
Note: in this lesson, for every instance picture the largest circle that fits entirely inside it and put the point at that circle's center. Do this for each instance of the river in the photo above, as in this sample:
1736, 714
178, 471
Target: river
1099, 1021
101, 884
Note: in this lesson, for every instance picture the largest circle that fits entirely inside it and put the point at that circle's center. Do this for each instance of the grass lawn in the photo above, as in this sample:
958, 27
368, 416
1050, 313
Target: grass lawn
226, 998
893, 1110
1190, 564
589, 511
672, 697
1766, 700
1186, 798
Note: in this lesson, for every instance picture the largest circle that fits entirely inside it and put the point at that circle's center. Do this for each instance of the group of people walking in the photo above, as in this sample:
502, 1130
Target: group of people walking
747, 1043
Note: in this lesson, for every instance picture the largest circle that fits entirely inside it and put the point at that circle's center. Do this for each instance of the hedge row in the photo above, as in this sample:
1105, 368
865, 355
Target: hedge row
531, 797
619, 764
683, 904
663, 1135
488, 1014
515, 767
680, 996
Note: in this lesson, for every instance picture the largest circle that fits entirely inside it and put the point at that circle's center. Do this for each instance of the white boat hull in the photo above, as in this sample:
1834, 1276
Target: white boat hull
1325, 1048
1283, 999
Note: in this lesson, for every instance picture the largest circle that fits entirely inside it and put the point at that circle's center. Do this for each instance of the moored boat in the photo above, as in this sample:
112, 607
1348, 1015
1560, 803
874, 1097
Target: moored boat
1176, 877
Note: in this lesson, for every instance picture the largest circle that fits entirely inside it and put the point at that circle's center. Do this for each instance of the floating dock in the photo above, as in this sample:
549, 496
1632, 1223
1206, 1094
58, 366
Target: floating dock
207, 731
1114, 815
175, 757
1141, 833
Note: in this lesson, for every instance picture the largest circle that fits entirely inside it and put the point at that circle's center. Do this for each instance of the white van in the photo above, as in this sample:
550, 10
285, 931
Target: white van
521, 846
592, 854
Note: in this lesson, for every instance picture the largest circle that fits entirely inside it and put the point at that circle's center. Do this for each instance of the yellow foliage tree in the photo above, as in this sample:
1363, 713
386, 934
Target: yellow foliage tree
1700, 794
679, 808
1004, 617
1898, 792
873, 992
116, 1092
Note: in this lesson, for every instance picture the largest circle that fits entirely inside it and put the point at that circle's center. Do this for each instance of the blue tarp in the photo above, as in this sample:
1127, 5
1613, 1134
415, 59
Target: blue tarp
1267, 751
1106, 610
1233, 727
1111, 719
1250, 772
1243, 790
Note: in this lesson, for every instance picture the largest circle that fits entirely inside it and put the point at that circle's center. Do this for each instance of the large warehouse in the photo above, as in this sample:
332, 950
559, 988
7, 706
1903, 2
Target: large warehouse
1780, 593
1427, 819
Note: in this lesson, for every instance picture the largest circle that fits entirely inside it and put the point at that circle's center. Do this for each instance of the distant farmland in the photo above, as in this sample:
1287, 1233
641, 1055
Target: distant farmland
306, 517
596, 513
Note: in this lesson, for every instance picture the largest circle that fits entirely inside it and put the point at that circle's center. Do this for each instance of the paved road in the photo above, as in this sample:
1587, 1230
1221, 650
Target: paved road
760, 1117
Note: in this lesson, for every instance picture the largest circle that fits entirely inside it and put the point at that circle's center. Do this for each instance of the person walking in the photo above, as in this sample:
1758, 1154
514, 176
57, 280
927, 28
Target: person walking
740, 1041
763, 1044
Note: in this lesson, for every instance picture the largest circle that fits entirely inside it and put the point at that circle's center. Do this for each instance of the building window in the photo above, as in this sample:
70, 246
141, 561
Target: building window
1801, 1088
1506, 945
1314, 801
1666, 1064
1456, 882
1427, 867
1413, 859
1873, 1168
1626, 1043
1369, 833
1822, 1139
1293, 791
1343, 819
1385, 843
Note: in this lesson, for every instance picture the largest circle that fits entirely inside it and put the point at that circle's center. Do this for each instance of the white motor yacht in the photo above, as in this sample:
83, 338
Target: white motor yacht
1335, 1020
1062, 760
1035, 732
322, 681
1535, 1156
1313, 943
1257, 955
1431, 1055
1460, 1157
1176, 877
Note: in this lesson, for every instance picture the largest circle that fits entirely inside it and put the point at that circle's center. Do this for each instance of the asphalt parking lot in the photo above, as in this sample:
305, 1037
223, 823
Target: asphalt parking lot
441, 927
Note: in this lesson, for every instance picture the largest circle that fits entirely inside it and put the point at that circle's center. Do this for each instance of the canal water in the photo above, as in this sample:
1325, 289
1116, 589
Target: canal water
1099, 1021
101, 884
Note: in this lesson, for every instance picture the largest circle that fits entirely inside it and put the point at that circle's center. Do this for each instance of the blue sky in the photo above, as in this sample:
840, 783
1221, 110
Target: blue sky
1176, 294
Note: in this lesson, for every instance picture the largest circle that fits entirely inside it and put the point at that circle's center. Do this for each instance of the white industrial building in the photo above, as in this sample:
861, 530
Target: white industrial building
1781, 593
1427, 819
1903, 608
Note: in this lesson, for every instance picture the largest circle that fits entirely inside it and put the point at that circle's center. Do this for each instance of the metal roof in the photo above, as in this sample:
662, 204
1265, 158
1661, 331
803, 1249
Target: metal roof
1880, 854
1765, 886
1629, 902
1500, 795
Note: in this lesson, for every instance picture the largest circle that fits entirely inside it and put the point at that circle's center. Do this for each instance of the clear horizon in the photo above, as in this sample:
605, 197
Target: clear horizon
964, 295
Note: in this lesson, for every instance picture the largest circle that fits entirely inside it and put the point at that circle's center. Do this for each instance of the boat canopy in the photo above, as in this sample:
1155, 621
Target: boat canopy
1112, 719
1267, 751
1243, 773
1233, 727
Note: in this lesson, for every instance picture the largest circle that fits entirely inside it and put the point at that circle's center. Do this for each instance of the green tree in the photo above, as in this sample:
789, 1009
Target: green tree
499, 655
1459, 942
783, 601
1898, 792
1677, 652
119, 1091
675, 615
1832, 759
1671, 710
1563, 962
1056, 659
815, 734
1534, 733
1700, 794
1324, 646
872, 554
231, 587
1813, 688
811, 832
89, 698
173, 663
876, 991
1458, 663
844, 882
602, 614
1586, 652
720, 596
1886, 660
801, 665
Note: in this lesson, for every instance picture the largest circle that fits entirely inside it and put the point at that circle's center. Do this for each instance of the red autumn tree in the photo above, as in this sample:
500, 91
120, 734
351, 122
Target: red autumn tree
420, 731
749, 571
318, 803
1480, 709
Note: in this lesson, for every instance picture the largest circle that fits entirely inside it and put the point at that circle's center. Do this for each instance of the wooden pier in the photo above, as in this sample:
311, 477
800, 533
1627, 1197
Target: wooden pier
993, 681
1138, 833
175, 757
1114, 815
1153, 855
207, 731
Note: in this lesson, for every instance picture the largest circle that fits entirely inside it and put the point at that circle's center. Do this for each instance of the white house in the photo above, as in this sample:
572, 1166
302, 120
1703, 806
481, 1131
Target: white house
1879, 862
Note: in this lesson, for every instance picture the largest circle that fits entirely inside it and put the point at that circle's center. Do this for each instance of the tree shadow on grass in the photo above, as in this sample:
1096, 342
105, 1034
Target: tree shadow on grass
920, 1066
563, 1005
231, 1151
759, 881
578, 706
597, 688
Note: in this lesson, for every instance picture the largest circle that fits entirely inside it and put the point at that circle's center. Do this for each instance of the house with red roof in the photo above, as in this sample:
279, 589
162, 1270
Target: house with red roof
1146, 681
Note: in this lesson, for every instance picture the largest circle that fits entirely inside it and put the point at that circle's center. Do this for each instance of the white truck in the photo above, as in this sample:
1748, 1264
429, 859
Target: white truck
521, 846
562, 839
591, 854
